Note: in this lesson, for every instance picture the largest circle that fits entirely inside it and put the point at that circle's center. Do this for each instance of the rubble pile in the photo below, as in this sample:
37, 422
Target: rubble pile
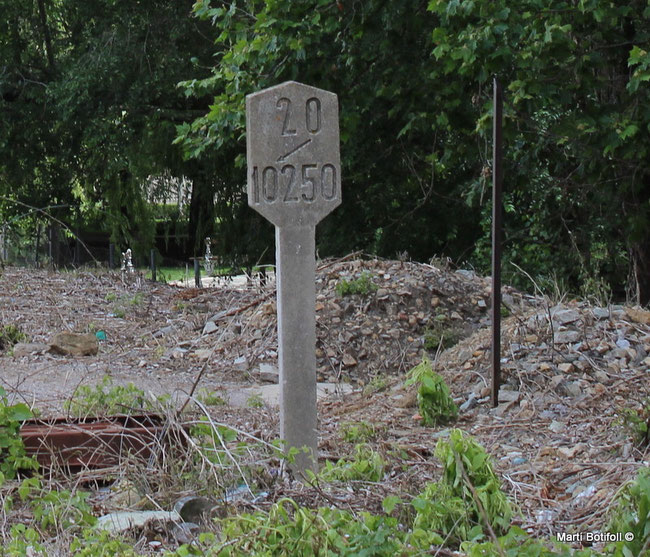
365, 335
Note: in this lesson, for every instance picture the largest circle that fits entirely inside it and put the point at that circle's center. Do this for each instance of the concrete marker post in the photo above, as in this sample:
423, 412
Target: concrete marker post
294, 181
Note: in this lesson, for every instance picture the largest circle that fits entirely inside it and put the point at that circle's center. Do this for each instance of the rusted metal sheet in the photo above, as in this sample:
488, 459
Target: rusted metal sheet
93, 442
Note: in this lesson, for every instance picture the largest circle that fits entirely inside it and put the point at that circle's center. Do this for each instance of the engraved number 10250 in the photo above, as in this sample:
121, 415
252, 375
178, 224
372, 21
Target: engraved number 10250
291, 185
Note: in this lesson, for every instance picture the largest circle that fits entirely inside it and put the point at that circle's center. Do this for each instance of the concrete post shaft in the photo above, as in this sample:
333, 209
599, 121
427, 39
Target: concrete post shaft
296, 299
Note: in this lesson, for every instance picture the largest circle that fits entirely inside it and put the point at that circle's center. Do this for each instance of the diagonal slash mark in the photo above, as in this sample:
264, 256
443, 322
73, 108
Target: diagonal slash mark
283, 158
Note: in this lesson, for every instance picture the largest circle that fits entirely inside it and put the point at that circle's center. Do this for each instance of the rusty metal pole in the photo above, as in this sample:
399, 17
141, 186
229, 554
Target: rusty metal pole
497, 227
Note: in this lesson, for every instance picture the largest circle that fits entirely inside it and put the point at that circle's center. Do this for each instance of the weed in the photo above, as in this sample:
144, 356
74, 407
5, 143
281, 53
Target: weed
366, 464
363, 286
110, 297
63, 509
288, 529
517, 542
434, 399
13, 456
632, 514
106, 398
439, 335
356, 432
210, 398
636, 423
376, 385
255, 401
467, 498
10, 335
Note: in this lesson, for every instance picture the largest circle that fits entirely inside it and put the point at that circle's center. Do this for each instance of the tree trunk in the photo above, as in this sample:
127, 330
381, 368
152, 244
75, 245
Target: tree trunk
201, 222
641, 272
47, 39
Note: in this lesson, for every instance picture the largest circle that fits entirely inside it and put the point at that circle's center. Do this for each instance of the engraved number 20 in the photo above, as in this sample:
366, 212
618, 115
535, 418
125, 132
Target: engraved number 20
313, 116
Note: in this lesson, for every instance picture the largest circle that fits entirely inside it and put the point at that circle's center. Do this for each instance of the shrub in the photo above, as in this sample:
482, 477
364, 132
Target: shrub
467, 498
434, 399
363, 286
13, 456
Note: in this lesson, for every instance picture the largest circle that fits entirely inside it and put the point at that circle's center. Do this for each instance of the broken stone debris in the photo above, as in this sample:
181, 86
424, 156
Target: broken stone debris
74, 344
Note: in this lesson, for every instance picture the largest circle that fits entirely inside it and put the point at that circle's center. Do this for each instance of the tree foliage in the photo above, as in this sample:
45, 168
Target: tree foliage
91, 109
90, 103
414, 81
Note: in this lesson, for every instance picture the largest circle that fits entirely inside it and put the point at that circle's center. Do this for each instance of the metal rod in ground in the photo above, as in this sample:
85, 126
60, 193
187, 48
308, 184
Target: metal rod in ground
497, 182
111, 256
152, 259
197, 274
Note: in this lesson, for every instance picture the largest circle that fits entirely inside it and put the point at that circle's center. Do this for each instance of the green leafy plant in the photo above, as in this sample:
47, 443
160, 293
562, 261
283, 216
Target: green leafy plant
519, 543
434, 399
467, 499
362, 286
440, 335
13, 456
10, 335
356, 432
636, 422
63, 509
106, 398
365, 464
289, 529
255, 401
376, 385
631, 513
210, 398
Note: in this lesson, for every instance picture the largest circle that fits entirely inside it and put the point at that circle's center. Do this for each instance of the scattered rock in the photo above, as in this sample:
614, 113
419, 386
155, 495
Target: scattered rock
194, 509
470, 403
74, 344
638, 315
269, 373
566, 337
240, 363
202, 354
210, 327
29, 349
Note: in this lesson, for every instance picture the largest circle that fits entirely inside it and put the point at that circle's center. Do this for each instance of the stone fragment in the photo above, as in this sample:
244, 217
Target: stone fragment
574, 388
269, 373
194, 509
565, 316
566, 367
602, 377
202, 354
74, 344
638, 315
209, 327
557, 427
29, 348
349, 360
470, 403
164, 331
566, 337
601, 313
508, 396
240, 363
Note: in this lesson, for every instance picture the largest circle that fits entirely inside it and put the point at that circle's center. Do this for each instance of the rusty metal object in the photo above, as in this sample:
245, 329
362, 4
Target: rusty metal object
92, 442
